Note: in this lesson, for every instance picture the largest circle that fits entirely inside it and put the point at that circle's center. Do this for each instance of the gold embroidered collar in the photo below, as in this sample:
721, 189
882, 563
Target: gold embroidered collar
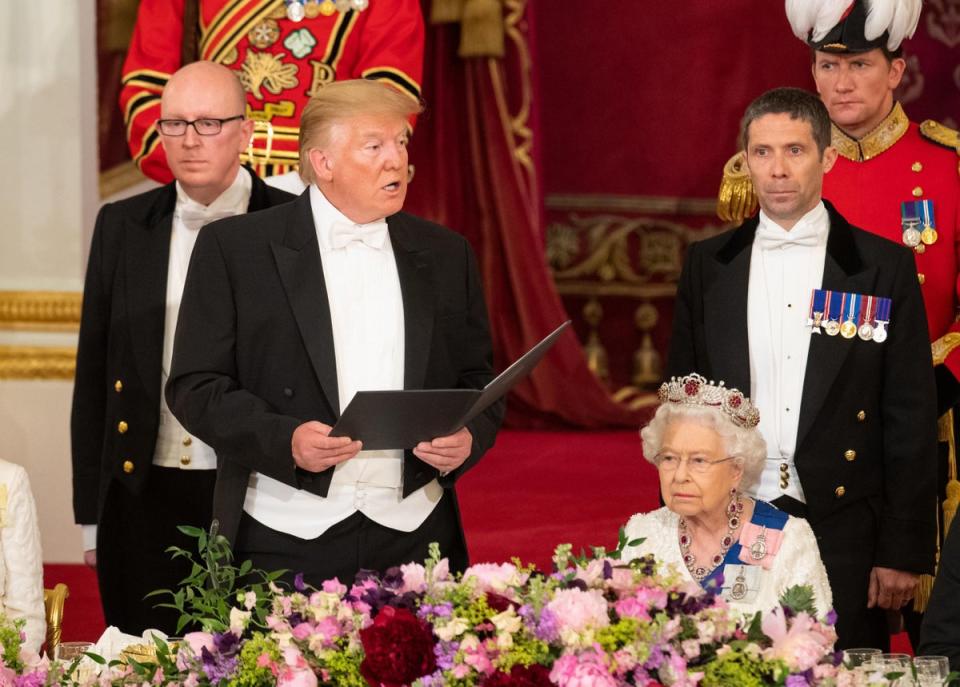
888, 132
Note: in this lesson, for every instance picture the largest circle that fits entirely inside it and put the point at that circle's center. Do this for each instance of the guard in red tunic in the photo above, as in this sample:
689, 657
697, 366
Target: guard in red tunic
893, 177
283, 50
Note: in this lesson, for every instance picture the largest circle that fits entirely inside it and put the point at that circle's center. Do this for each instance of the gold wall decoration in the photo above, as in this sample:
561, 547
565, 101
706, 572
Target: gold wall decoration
40, 310
37, 362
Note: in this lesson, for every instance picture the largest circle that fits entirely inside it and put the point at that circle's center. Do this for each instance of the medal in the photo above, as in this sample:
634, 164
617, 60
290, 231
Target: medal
865, 331
912, 236
758, 549
817, 310
883, 318
295, 10
739, 589
311, 8
834, 310
848, 329
915, 214
327, 8
264, 34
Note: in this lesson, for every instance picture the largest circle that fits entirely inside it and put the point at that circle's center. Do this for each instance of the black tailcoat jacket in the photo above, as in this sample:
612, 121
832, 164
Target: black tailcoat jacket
120, 348
254, 354
867, 437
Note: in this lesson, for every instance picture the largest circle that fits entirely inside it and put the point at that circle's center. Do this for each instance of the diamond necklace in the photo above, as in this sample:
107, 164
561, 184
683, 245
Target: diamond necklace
699, 572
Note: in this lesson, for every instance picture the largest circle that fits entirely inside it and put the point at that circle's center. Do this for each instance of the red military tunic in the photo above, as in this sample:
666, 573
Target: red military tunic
897, 163
280, 62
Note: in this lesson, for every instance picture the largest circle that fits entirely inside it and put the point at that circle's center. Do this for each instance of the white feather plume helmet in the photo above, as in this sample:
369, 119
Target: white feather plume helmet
812, 20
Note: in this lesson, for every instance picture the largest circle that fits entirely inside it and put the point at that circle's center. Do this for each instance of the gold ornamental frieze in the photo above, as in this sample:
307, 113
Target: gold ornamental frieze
40, 310
37, 362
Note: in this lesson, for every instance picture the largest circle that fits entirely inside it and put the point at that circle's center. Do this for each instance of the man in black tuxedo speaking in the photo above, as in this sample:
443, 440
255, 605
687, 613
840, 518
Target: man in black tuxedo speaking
823, 324
289, 312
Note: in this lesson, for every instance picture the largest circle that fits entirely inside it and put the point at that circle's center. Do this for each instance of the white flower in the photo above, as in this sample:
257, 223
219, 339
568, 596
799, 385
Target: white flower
453, 628
238, 620
508, 621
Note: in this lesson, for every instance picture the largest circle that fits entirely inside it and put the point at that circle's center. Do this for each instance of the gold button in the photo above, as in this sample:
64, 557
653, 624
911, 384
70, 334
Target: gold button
184, 460
128, 466
784, 483
839, 491
917, 192
187, 441
784, 467
850, 454
118, 386
122, 427
921, 248
921, 278
861, 416
917, 167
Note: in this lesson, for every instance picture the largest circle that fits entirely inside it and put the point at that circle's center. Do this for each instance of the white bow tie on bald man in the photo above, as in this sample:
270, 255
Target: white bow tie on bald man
342, 234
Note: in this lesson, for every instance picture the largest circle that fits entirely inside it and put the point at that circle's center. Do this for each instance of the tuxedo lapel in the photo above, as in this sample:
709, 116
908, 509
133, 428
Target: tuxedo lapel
413, 270
843, 271
301, 271
147, 261
725, 310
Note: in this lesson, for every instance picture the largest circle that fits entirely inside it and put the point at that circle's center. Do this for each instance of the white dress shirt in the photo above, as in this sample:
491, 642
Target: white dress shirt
785, 268
177, 448
366, 315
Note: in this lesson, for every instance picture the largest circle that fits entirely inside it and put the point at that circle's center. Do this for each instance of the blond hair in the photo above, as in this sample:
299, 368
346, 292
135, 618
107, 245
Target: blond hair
342, 100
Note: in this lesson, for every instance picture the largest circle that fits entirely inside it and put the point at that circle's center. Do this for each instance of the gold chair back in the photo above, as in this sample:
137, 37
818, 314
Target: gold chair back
53, 602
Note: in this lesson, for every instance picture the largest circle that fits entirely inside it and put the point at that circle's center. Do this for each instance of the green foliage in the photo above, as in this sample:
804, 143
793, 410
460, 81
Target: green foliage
737, 667
618, 635
207, 594
249, 673
10, 641
342, 668
799, 599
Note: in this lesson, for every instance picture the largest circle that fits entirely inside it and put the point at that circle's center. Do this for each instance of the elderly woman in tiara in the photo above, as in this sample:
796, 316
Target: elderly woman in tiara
705, 444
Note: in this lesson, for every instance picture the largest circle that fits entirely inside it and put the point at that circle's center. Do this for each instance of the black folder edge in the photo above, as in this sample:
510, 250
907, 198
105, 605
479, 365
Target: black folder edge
489, 395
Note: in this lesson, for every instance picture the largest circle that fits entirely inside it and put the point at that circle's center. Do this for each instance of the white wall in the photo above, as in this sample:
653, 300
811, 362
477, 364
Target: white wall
48, 139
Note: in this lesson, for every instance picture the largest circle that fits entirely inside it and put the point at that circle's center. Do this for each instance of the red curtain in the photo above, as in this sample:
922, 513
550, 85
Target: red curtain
476, 164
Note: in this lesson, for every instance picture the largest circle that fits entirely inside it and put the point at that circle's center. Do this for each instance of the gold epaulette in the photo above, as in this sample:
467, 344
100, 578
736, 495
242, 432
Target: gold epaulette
940, 134
736, 200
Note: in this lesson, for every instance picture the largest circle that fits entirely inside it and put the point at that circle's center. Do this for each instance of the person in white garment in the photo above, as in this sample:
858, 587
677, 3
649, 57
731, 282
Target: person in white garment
287, 313
137, 473
704, 442
21, 558
824, 324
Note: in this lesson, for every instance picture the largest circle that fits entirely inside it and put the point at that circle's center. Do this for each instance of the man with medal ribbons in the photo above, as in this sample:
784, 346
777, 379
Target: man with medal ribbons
893, 177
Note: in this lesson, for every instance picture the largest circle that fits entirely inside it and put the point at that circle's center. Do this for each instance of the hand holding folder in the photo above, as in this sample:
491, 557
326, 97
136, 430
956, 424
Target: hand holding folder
402, 419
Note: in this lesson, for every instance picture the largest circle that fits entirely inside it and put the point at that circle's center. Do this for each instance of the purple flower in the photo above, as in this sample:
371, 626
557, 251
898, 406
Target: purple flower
298, 583
226, 643
797, 681
393, 579
446, 653
831, 618
607, 570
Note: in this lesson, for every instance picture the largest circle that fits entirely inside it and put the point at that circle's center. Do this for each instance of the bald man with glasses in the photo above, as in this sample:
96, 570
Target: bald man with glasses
137, 474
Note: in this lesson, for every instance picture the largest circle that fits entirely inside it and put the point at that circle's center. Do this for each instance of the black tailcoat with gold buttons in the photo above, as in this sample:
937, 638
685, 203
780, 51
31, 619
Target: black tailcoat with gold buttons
116, 399
867, 436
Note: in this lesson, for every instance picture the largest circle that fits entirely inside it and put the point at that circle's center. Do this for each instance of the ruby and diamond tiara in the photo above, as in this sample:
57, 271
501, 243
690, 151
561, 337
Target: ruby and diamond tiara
695, 390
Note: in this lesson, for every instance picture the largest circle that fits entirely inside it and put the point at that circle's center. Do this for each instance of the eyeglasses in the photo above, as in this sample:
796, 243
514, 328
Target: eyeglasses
696, 464
206, 126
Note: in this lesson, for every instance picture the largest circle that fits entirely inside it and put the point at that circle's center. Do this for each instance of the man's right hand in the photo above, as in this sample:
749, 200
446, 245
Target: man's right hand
90, 558
315, 451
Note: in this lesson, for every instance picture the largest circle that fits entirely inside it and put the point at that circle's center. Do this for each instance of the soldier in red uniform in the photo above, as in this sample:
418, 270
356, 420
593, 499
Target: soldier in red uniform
893, 177
284, 51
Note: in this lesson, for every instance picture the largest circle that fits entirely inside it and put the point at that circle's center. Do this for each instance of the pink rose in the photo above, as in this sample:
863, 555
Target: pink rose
583, 670
802, 645
198, 640
492, 577
297, 677
576, 610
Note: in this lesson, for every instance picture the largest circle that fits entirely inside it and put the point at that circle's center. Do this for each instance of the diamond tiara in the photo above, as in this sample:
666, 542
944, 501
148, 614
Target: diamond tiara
695, 390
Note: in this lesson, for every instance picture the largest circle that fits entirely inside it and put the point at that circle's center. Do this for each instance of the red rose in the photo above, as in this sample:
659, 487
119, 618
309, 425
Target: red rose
520, 676
398, 648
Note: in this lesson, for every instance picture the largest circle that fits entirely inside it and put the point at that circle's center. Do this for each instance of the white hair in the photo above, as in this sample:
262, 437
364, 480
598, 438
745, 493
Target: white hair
745, 445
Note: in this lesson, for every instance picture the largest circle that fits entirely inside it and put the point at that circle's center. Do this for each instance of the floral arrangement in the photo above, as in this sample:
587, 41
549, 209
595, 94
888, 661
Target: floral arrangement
593, 622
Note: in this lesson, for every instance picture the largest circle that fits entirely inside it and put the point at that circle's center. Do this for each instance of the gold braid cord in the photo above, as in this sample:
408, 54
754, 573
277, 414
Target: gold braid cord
736, 200
941, 348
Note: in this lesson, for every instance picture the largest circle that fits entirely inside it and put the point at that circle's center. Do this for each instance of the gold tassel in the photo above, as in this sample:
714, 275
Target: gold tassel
446, 11
736, 200
481, 29
921, 596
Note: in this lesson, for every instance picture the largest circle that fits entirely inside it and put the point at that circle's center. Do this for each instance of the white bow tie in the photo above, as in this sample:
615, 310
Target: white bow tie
770, 237
373, 234
195, 216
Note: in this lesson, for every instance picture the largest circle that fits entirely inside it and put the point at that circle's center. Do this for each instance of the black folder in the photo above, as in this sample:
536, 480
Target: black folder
402, 419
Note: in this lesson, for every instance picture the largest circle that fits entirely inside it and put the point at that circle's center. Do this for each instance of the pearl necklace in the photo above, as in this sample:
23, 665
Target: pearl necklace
699, 572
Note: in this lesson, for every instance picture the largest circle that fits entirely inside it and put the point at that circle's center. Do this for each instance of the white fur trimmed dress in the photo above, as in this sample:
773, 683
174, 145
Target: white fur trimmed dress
750, 584
21, 559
